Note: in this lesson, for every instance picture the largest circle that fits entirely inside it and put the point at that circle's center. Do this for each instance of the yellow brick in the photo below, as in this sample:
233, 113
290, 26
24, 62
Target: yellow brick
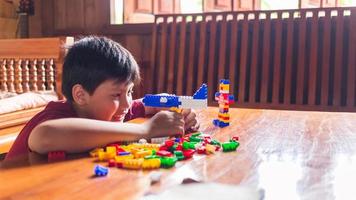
153, 163
94, 153
133, 163
111, 149
142, 154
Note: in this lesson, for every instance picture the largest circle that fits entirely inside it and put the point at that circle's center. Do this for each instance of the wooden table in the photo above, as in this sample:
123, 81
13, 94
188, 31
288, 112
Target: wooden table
289, 154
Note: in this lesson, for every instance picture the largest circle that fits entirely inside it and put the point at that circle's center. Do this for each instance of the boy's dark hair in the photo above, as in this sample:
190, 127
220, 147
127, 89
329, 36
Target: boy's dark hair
93, 60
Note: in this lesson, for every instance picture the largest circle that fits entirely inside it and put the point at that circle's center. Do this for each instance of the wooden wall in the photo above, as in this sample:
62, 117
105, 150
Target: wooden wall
85, 17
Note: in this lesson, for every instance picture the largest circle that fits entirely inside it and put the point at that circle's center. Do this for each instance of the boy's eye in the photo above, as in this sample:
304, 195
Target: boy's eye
116, 95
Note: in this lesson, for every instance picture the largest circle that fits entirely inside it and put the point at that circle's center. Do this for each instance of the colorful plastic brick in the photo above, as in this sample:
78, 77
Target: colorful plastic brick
201, 150
188, 153
152, 157
168, 162
163, 153
123, 153
210, 149
105, 156
94, 153
169, 143
224, 100
195, 139
142, 154
230, 146
111, 149
235, 138
100, 170
111, 163
179, 155
133, 163
118, 148
153, 163
120, 159
198, 101
189, 145
56, 156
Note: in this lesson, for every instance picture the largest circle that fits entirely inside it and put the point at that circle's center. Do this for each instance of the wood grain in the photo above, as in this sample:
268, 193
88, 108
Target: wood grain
289, 154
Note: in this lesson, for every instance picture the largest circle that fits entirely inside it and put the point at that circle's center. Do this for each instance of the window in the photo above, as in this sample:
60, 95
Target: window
116, 11
279, 4
191, 6
143, 11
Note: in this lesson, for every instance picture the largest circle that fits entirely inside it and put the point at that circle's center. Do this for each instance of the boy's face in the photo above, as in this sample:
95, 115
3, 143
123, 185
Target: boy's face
110, 101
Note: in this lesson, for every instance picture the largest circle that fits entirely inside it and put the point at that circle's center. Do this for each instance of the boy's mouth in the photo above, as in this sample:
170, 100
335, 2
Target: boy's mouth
119, 117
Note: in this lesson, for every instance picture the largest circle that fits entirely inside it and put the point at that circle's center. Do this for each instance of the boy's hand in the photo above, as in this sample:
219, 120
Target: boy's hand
190, 120
165, 123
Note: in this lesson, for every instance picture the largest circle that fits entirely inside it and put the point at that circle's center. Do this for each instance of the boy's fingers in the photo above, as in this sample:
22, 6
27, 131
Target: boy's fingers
190, 117
191, 123
186, 112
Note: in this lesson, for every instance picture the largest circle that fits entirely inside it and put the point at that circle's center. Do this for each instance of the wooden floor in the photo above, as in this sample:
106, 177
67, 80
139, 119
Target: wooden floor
288, 154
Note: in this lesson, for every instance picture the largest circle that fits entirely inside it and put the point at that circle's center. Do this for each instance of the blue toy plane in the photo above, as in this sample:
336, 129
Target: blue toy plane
198, 101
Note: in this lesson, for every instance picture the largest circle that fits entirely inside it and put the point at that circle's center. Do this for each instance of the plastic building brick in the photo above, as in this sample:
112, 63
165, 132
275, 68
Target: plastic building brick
105, 156
195, 139
100, 170
230, 146
56, 156
155, 177
235, 138
111, 149
189, 145
159, 140
210, 149
152, 156
198, 101
224, 100
120, 159
179, 155
94, 153
142, 154
133, 163
111, 163
201, 150
163, 153
169, 143
153, 163
202, 92
123, 153
118, 148
188, 153
168, 162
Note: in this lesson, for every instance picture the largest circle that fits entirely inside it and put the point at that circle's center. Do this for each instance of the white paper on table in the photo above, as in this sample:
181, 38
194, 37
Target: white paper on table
207, 191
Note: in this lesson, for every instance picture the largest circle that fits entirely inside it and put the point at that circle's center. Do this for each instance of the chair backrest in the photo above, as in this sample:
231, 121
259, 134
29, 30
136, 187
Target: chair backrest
32, 64
286, 59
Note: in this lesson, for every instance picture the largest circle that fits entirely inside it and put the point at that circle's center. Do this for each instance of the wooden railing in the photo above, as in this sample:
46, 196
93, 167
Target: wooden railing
287, 59
32, 64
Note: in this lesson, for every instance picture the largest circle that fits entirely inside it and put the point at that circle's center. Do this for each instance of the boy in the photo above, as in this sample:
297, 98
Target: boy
98, 78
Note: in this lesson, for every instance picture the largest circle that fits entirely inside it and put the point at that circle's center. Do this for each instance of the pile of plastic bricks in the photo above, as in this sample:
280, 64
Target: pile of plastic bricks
152, 156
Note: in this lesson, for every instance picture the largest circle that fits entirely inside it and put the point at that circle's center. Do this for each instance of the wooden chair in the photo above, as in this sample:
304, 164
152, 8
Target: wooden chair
28, 65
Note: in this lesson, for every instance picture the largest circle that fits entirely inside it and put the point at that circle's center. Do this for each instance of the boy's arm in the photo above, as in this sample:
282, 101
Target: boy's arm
75, 135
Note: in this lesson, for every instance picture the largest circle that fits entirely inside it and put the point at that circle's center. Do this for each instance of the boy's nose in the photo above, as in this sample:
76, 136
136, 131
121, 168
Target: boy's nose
125, 103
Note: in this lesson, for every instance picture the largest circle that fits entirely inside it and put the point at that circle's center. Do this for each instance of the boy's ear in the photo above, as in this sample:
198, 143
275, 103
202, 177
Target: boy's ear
80, 95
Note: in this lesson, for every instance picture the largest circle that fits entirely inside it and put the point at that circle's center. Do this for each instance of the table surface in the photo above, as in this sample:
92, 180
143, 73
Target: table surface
288, 154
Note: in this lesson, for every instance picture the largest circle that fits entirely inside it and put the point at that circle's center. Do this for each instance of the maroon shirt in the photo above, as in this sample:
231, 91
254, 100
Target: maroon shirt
58, 110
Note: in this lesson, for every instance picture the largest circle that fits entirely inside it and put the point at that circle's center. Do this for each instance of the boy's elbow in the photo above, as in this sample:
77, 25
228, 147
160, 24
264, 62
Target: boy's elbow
40, 140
